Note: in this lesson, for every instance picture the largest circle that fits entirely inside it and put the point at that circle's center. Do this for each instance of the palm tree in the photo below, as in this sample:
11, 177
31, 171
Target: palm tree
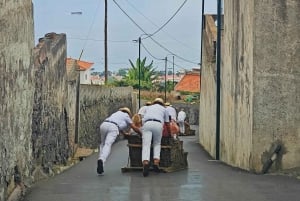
146, 74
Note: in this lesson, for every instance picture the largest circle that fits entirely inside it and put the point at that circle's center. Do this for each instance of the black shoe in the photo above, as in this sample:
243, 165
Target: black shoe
146, 170
156, 168
100, 167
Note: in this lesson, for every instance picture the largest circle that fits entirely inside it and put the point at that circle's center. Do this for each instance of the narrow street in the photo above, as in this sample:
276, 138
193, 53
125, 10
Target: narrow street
204, 180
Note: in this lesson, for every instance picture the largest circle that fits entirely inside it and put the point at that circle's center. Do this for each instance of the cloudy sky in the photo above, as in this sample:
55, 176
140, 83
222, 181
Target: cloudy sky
175, 25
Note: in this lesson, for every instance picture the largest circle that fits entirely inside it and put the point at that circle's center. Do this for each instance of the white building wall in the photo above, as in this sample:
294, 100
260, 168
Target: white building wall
85, 77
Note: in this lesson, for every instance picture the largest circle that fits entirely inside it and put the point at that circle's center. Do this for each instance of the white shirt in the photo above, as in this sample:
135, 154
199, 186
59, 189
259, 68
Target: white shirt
181, 116
142, 110
172, 112
157, 112
121, 118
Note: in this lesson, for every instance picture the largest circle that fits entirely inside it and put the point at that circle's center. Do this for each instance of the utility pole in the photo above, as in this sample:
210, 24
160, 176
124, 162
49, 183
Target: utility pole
105, 40
173, 74
139, 72
218, 103
166, 60
139, 40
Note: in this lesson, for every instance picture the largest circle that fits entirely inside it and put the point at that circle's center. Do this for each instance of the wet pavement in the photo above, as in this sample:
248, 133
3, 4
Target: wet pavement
204, 180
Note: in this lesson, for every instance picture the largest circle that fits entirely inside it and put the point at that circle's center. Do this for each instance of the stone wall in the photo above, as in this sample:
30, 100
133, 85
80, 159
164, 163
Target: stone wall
97, 103
50, 143
16, 93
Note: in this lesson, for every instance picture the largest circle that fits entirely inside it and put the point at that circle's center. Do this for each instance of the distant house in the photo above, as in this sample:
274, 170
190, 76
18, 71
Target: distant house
170, 78
190, 82
83, 66
175, 78
97, 80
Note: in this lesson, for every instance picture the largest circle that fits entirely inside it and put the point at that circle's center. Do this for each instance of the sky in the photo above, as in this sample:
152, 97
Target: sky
175, 25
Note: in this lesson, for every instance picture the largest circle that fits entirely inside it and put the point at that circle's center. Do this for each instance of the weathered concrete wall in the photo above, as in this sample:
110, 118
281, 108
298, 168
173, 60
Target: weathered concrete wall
16, 93
50, 143
276, 83
260, 83
97, 103
207, 117
237, 84
73, 77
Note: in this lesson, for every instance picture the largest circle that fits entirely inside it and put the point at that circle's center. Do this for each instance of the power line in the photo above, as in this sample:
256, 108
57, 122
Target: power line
117, 62
166, 49
129, 17
98, 40
154, 57
137, 10
170, 36
172, 52
91, 26
167, 21
150, 52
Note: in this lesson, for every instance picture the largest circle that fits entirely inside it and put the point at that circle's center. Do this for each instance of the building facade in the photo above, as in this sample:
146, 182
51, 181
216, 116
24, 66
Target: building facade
260, 86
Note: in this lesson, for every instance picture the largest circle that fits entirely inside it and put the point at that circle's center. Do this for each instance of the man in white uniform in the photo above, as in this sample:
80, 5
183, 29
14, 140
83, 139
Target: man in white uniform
171, 110
142, 110
154, 119
181, 121
109, 130
173, 123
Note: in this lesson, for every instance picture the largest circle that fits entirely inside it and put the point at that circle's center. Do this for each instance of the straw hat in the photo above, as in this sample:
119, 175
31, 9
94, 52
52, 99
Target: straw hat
167, 104
148, 103
125, 109
159, 100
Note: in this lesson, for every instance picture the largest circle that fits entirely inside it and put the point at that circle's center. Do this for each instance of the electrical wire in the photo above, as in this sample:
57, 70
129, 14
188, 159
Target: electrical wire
163, 47
98, 40
170, 36
166, 49
167, 21
154, 57
137, 10
136, 24
90, 29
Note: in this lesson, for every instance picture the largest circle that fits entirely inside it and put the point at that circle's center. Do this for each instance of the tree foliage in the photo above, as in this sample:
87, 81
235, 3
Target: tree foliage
145, 73
139, 74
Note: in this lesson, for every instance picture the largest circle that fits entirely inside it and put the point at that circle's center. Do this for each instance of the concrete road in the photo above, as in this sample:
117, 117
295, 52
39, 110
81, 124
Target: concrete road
204, 180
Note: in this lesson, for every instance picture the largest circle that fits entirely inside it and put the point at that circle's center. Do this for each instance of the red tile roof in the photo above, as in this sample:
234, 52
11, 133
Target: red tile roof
82, 65
189, 83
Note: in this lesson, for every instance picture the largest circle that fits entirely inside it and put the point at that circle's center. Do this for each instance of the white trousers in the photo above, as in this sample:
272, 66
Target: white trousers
181, 126
108, 134
152, 130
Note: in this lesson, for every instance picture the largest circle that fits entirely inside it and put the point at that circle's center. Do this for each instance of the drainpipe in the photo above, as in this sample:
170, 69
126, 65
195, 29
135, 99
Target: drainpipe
270, 161
202, 28
218, 80
201, 54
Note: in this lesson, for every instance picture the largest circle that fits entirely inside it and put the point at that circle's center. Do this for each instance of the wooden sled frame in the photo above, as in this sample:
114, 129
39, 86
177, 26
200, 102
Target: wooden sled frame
175, 150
